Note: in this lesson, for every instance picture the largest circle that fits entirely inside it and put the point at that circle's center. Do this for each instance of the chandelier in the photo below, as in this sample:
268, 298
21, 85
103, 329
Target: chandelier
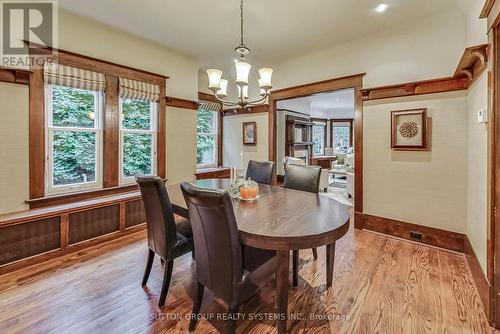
219, 86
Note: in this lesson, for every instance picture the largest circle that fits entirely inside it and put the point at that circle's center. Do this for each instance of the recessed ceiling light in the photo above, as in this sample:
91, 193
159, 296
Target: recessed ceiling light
381, 8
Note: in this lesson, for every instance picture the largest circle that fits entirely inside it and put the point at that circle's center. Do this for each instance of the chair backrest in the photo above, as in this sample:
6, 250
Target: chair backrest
305, 178
219, 264
260, 172
160, 221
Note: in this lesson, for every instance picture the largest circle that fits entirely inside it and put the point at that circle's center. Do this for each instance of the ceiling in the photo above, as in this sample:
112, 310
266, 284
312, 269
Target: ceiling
331, 105
274, 30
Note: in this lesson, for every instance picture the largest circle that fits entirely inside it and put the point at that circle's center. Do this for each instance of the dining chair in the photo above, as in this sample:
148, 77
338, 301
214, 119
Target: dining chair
167, 238
225, 266
260, 172
303, 178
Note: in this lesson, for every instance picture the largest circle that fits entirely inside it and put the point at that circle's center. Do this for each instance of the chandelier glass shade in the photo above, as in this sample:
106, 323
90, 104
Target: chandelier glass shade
218, 85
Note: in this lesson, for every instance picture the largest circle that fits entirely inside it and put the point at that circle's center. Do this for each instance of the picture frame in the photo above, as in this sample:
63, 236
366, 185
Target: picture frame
249, 133
409, 130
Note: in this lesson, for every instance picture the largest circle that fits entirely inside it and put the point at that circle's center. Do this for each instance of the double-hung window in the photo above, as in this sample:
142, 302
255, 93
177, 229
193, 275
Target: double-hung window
74, 131
319, 135
207, 140
138, 138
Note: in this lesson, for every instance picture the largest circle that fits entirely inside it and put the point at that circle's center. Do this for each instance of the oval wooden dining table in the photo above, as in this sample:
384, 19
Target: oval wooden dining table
282, 220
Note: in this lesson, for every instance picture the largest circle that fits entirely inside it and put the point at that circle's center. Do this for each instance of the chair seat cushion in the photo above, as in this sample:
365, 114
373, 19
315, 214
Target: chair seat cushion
183, 227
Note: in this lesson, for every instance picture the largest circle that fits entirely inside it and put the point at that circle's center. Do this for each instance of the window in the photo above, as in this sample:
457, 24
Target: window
207, 138
342, 135
138, 138
74, 136
319, 135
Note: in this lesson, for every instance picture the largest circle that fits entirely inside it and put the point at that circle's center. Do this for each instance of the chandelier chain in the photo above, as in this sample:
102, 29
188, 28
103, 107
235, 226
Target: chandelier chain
241, 23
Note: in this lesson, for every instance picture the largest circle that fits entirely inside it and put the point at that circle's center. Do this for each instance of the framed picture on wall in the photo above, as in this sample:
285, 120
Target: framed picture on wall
409, 130
249, 133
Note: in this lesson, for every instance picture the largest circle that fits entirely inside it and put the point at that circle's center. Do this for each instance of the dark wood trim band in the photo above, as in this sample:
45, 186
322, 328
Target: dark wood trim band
416, 88
181, 103
248, 110
15, 76
207, 97
485, 12
429, 235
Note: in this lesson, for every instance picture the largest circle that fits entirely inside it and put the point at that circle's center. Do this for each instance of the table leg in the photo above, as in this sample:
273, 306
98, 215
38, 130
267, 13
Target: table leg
330, 259
282, 272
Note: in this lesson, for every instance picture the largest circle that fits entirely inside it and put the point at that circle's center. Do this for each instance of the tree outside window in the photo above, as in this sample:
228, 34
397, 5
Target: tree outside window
207, 138
318, 139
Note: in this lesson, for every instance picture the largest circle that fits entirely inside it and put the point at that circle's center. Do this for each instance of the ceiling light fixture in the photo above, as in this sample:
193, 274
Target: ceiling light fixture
219, 86
381, 8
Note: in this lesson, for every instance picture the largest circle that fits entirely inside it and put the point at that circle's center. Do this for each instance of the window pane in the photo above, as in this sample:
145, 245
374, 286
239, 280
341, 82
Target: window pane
74, 157
341, 137
206, 149
136, 114
72, 107
137, 153
207, 121
318, 139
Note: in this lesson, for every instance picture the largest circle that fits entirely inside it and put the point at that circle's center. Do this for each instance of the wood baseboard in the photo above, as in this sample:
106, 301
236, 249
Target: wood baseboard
428, 235
480, 280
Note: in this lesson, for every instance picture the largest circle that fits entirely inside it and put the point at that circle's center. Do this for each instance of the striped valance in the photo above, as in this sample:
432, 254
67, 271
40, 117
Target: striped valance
132, 89
57, 74
211, 106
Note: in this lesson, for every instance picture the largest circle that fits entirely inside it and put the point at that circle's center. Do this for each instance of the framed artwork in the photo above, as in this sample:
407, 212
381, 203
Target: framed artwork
249, 133
409, 130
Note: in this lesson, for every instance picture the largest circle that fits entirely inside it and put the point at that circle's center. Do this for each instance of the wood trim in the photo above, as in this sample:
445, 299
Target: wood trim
430, 236
36, 135
480, 280
122, 218
15, 76
485, 12
98, 65
23, 263
111, 134
441, 85
351, 81
207, 97
358, 151
213, 173
43, 202
473, 63
181, 103
64, 230
220, 139
161, 142
247, 110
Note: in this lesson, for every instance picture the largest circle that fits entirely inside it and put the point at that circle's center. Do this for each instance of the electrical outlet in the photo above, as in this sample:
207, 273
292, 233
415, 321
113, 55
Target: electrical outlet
416, 235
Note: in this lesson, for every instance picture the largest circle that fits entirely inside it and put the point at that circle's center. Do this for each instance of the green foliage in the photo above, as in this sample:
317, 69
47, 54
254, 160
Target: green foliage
206, 141
318, 139
74, 151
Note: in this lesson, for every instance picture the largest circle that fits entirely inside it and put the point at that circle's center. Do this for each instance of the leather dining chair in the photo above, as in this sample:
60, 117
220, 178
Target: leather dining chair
167, 237
232, 271
303, 178
260, 172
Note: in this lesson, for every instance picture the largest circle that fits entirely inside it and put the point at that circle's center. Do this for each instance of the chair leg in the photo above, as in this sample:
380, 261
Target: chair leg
295, 268
192, 254
315, 253
233, 319
196, 307
149, 264
167, 276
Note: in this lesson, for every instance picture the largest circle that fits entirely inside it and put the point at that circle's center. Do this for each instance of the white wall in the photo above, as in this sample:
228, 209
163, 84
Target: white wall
424, 50
233, 140
14, 158
477, 168
425, 188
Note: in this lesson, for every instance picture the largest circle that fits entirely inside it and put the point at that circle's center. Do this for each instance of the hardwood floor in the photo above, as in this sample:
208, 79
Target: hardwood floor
380, 285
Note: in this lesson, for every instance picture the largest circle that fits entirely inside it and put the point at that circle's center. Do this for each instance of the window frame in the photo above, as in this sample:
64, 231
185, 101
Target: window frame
50, 129
351, 129
216, 141
153, 130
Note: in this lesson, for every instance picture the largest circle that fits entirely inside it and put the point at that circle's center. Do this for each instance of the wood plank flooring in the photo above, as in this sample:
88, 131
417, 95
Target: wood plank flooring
381, 285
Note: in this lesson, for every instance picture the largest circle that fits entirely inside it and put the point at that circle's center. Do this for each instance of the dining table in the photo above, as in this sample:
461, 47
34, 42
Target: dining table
282, 220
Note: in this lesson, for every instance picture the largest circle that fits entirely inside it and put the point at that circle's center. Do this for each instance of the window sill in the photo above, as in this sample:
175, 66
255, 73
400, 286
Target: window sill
51, 200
